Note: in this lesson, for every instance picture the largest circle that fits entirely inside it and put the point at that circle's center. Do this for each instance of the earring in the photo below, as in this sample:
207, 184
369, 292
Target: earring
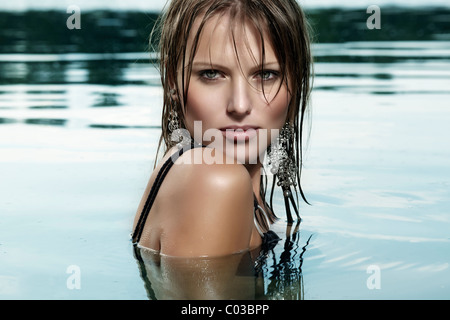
283, 167
286, 167
181, 137
279, 160
173, 121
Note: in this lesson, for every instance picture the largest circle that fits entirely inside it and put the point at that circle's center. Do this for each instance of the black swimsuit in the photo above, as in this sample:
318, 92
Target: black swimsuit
269, 237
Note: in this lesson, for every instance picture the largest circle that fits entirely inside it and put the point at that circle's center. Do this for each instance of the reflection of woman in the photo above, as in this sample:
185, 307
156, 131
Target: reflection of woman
272, 272
236, 78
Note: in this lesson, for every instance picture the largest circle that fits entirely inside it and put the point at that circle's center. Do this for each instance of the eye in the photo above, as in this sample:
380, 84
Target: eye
210, 74
267, 75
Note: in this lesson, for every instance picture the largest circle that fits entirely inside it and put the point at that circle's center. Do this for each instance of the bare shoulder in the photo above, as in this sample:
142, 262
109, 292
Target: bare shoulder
198, 173
212, 209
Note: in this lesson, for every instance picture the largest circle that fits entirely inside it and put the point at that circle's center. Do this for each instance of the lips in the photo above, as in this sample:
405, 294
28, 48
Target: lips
239, 133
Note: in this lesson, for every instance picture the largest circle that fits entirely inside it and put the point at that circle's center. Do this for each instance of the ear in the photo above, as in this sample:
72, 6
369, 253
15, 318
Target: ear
173, 90
173, 94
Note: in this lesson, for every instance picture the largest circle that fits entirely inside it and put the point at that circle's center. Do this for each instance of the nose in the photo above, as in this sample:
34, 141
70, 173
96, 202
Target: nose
240, 97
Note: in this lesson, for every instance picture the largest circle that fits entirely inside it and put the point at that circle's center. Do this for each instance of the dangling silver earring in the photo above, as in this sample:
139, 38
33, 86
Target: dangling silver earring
279, 160
283, 167
286, 167
176, 134
181, 137
174, 123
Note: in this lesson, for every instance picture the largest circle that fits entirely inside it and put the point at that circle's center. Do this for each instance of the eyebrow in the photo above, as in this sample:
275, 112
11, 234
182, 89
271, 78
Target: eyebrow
210, 65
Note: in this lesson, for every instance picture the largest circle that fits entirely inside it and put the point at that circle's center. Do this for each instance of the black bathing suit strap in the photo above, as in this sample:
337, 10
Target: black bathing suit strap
154, 191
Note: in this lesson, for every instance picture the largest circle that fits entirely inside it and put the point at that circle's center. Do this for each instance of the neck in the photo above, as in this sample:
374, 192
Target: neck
255, 173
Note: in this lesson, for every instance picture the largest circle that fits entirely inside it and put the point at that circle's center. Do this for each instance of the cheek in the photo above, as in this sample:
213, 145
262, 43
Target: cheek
276, 115
199, 105
279, 108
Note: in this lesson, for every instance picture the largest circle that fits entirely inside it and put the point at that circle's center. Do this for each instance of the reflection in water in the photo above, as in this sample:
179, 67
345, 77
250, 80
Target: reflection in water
107, 99
106, 71
36, 121
47, 107
7, 121
116, 126
282, 273
47, 122
272, 272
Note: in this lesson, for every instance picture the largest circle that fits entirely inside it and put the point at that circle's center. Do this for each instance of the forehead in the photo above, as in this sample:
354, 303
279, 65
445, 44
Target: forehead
221, 36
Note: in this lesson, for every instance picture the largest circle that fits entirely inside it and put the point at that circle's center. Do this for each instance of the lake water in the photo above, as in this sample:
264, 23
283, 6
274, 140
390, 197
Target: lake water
78, 135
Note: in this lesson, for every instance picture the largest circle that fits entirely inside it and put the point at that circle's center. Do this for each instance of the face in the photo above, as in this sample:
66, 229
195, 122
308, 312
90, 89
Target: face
235, 102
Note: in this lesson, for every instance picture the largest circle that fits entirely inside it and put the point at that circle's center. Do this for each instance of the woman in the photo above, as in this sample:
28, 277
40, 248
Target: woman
236, 80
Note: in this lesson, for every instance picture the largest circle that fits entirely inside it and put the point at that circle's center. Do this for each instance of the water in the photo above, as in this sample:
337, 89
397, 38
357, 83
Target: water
78, 134
272, 272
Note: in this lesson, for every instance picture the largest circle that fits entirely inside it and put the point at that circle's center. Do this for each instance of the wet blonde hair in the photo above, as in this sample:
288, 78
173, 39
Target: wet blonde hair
282, 21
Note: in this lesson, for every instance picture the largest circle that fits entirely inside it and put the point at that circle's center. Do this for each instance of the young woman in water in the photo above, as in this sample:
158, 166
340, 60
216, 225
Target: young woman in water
236, 79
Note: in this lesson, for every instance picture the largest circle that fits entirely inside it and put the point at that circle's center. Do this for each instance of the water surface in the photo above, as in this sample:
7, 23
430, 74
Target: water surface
78, 135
